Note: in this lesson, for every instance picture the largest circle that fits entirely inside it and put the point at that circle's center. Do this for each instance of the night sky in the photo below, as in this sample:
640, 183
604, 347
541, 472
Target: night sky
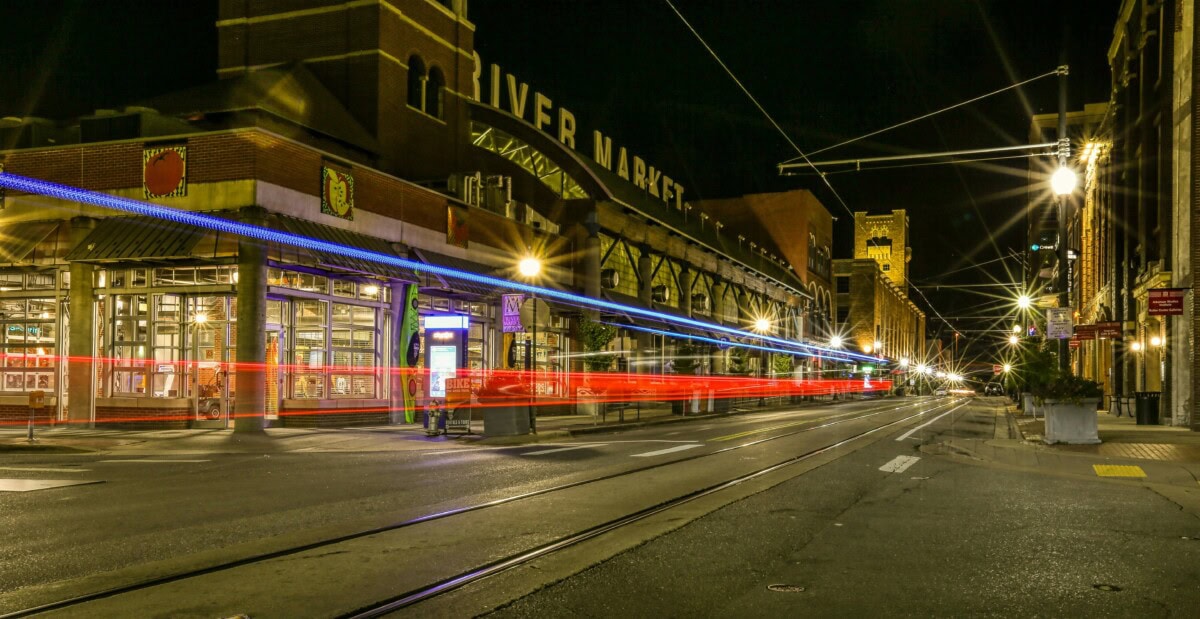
827, 71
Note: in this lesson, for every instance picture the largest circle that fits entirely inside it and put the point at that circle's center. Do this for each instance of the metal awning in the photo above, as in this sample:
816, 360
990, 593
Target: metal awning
330, 234
18, 240
145, 238
456, 284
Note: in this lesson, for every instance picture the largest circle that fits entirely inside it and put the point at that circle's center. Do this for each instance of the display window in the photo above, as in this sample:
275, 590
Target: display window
28, 334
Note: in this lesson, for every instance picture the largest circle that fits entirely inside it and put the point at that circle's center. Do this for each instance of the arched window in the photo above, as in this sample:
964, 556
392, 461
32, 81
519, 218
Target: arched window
416, 81
434, 87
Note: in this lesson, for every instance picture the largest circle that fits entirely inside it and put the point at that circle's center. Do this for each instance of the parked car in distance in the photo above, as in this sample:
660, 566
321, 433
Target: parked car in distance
940, 391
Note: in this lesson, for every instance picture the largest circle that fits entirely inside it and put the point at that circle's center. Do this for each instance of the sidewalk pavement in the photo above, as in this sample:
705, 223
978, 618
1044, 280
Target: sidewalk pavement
1149, 454
399, 437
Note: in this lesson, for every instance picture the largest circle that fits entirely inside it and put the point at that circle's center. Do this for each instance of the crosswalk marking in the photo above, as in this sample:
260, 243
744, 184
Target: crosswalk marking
899, 464
561, 449
665, 451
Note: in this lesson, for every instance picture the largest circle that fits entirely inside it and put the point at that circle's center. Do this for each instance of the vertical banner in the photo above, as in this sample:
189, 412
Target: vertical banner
410, 352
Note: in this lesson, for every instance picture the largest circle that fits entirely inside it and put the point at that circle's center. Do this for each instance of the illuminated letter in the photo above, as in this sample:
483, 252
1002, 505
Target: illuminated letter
517, 96
541, 107
666, 188
678, 196
639, 172
652, 181
566, 128
495, 84
476, 74
602, 149
623, 164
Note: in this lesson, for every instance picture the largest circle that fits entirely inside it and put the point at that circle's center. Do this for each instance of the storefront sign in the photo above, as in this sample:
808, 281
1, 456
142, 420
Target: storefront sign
1074, 343
449, 321
1166, 301
409, 351
629, 167
337, 193
1085, 332
511, 313
1108, 330
1058, 323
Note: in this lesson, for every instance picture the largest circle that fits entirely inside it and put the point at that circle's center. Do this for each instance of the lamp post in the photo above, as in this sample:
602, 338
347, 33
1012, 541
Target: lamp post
762, 326
1063, 183
529, 267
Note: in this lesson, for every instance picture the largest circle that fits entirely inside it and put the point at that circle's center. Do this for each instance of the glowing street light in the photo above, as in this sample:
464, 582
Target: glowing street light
1063, 181
1156, 341
835, 341
762, 325
1016, 328
1012, 339
903, 362
1007, 368
878, 345
1024, 302
200, 318
529, 266
1136, 347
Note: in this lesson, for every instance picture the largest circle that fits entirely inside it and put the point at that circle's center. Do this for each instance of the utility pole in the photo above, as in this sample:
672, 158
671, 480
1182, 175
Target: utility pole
1064, 148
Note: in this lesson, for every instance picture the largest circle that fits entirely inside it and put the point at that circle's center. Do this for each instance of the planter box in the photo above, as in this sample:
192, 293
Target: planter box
1027, 403
1073, 424
505, 420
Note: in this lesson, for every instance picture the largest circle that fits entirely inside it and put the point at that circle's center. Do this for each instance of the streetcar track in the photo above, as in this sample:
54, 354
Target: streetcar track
266, 556
444, 586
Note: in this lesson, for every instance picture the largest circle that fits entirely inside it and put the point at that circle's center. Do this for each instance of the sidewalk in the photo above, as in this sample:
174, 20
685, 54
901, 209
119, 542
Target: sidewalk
1150, 454
400, 437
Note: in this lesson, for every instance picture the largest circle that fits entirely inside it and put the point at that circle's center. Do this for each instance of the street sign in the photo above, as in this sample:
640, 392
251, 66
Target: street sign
1166, 301
1108, 330
1058, 323
511, 313
1085, 332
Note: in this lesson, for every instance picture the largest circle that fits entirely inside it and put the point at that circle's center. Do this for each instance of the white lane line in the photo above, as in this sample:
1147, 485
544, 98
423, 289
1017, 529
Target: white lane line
561, 449
665, 451
150, 461
914, 430
41, 470
899, 464
29, 485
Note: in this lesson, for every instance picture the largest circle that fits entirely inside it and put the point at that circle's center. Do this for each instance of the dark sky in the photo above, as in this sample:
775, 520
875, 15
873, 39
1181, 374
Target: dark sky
827, 71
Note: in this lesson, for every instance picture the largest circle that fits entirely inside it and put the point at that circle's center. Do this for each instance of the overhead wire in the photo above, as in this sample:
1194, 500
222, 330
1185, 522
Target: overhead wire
788, 138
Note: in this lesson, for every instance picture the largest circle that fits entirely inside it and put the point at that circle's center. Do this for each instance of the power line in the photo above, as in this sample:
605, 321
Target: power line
913, 120
789, 138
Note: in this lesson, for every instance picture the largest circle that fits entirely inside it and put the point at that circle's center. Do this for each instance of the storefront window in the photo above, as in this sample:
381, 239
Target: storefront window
167, 381
308, 348
130, 335
352, 341
27, 341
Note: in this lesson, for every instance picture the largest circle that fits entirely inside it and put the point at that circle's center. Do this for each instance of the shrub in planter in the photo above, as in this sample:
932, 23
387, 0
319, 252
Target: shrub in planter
1070, 406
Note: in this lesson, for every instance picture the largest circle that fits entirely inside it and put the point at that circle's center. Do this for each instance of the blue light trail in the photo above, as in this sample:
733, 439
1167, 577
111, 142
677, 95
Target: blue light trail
73, 194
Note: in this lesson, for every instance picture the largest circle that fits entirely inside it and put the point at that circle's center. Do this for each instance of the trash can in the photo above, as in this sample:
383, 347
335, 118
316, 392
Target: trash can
1146, 407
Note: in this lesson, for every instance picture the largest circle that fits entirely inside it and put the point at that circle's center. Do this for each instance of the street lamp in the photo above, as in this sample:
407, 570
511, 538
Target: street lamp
1007, 368
529, 267
1016, 328
1012, 339
1063, 183
1024, 302
835, 341
1156, 341
1136, 347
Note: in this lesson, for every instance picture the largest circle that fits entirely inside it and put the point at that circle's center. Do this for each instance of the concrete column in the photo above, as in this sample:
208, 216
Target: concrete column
644, 340
250, 403
395, 348
685, 291
82, 346
718, 300
591, 262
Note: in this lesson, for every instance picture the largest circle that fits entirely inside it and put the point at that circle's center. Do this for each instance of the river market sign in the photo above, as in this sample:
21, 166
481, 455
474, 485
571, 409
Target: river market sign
506, 89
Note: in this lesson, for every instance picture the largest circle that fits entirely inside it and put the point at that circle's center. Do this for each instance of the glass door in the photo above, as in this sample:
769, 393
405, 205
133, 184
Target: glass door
209, 361
274, 377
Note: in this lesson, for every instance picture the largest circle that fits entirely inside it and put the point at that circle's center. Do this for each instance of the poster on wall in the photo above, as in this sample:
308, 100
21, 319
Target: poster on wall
457, 232
443, 365
337, 193
164, 172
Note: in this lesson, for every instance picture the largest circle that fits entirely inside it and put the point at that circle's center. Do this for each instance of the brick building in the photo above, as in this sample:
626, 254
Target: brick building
371, 125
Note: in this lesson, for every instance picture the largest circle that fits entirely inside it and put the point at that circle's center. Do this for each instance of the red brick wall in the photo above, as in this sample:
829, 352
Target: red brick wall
326, 418
18, 416
142, 418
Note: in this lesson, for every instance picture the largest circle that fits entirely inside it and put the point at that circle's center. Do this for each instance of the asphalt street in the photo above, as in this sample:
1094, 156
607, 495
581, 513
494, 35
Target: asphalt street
940, 537
168, 512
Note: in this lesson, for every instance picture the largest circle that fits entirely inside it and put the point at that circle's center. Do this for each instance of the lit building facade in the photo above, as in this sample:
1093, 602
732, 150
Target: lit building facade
374, 125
